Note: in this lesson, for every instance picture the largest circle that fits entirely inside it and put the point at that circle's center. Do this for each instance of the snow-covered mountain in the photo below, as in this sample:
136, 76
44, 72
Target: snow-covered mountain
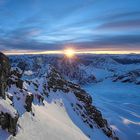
81, 69
46, 105
55, 97
129, 77
70, 69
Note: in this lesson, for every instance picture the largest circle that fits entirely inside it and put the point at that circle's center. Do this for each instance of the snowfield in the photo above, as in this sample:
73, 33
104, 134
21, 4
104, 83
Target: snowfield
50, 122
120, 105
5, 107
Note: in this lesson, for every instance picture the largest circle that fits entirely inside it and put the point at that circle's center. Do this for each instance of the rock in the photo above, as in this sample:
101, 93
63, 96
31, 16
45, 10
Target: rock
10, 96
4, 74
4, 120
129, 77
8, 116
28, 102
40, 98
8, 122
12, 125
83, 96
15, 77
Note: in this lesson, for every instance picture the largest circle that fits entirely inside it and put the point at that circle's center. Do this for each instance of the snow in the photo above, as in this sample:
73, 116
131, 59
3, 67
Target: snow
55, 121
4, 135
99, 73
9, 94
120, 105
5, 107
29, 72
50, 121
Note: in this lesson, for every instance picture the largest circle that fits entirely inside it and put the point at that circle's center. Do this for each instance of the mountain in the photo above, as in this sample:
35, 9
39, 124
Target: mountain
129, 77
44, 86
39, 102
80, 69
70, 69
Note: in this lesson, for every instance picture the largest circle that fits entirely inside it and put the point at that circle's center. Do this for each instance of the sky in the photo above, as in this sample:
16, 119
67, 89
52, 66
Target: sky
86, 25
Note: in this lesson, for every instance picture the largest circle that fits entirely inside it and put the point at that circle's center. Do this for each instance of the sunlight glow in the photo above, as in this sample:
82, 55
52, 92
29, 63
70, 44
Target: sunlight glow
69, 52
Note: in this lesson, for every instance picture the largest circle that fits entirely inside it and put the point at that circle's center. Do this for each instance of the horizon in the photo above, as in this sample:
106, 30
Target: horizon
75, 52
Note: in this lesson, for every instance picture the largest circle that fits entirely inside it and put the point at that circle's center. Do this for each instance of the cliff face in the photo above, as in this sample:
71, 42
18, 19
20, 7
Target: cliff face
4, 74
8, 115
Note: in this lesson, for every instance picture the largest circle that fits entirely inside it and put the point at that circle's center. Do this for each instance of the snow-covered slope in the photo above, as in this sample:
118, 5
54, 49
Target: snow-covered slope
51, 121
50, 106
120, 104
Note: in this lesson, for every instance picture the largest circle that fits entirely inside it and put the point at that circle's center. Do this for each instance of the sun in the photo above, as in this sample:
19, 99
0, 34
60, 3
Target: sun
69, 52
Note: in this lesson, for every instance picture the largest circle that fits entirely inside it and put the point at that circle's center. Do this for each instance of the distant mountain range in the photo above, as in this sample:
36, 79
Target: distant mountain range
81, 69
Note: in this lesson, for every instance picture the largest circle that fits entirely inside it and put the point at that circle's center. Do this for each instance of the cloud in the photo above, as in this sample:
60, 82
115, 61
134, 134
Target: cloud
119, 40
27, 32
15, 44
101, 42
127, 24
119, 15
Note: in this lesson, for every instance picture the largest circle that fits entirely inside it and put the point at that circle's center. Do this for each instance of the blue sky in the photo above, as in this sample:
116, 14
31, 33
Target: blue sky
40, 25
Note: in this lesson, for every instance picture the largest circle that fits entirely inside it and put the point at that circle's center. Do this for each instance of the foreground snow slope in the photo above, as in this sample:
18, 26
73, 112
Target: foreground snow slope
55, 121
120, 104
50, 122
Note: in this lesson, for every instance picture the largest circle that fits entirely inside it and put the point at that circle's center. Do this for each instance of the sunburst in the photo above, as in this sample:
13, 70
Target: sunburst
69, 52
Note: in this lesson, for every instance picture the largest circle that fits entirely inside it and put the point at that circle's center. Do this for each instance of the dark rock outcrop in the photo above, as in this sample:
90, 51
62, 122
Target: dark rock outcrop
15, 77
4, 74
90, 113
8, 122
28, 102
